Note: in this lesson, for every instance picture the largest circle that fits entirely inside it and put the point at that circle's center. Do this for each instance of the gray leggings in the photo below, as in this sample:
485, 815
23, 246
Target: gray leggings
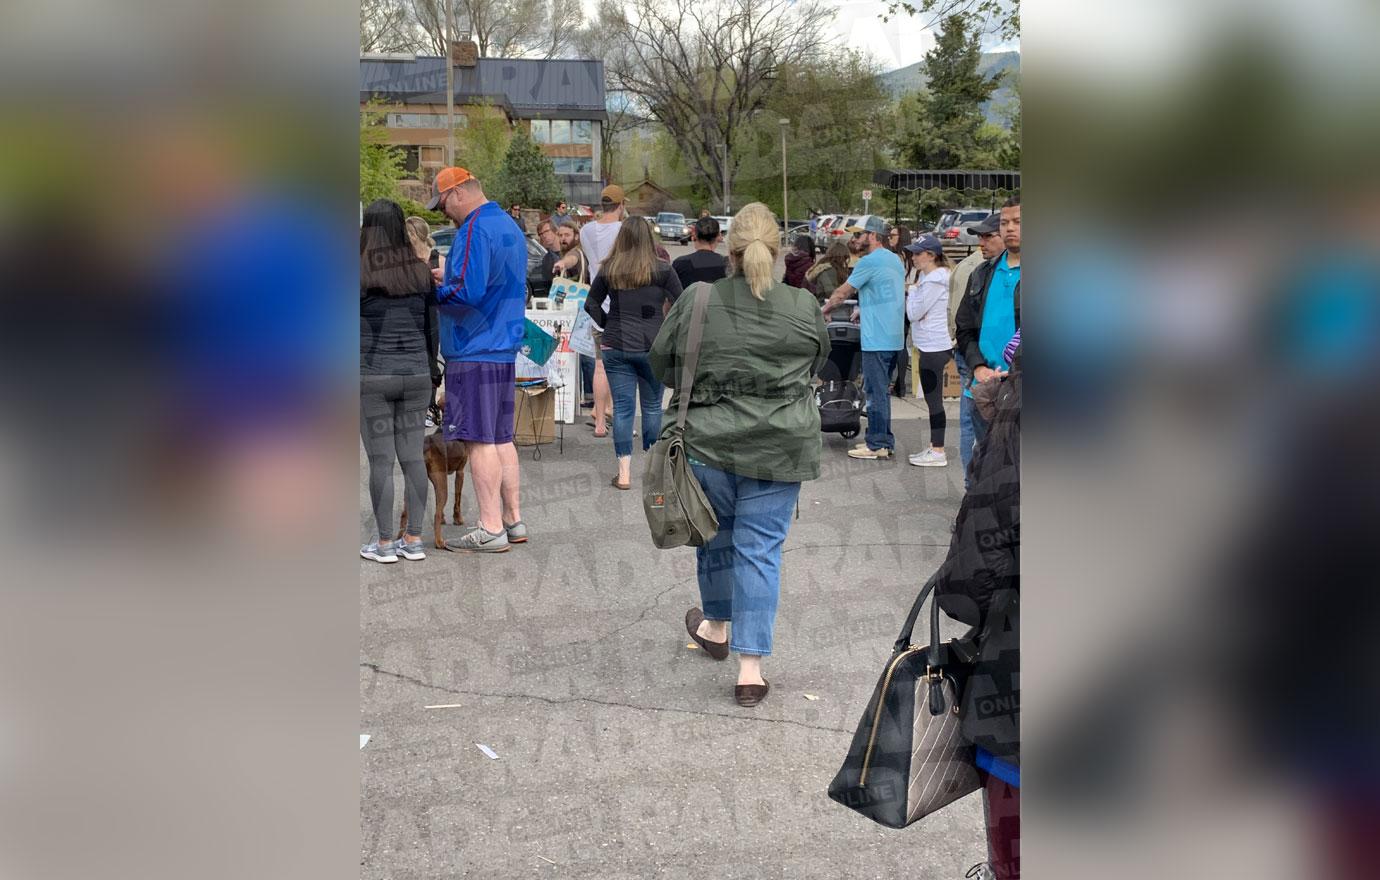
392, 422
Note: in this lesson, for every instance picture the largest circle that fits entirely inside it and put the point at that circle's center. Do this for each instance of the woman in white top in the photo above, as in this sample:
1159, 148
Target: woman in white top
927, 307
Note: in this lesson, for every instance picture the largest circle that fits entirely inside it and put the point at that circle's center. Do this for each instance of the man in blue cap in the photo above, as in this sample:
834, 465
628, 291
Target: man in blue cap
879, 283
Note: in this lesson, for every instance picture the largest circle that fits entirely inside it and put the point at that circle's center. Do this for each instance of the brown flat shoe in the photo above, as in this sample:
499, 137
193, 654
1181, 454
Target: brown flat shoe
617, 485
718, 650
749, 695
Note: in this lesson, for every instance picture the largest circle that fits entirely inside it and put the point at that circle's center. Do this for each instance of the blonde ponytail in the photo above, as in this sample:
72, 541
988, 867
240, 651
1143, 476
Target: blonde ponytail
753, 242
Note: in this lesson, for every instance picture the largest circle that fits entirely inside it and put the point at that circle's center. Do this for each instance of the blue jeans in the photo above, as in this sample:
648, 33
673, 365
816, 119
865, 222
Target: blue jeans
740, 568
971, 428
876, 370
586, 375
632, 383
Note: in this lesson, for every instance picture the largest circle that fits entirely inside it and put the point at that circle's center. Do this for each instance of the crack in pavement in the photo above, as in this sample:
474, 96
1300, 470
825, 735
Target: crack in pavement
378, 670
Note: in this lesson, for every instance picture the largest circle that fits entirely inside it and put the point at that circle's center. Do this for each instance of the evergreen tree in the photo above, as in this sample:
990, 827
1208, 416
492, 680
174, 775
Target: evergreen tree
527, 177
943, 126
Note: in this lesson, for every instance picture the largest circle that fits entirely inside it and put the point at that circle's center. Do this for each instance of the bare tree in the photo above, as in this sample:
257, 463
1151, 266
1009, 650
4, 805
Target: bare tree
999, 17
385, 26
703, 68
500, 28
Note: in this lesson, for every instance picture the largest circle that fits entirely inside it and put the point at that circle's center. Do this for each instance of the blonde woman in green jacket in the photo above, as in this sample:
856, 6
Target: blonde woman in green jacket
752, 433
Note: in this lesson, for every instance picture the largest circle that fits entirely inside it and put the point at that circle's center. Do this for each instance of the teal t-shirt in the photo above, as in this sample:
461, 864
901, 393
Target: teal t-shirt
998, 315
880, 280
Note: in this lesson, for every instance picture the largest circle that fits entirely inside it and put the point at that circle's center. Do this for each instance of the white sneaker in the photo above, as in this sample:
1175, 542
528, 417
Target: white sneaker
379, 551
929, 458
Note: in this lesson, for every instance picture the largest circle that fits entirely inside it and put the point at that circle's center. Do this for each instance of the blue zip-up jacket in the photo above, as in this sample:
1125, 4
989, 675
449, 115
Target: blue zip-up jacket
483, 295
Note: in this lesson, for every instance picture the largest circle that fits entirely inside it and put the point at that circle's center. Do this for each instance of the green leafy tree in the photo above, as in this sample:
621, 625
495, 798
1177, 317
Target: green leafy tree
943, 126
840, 130
482, 141
526, 177
380, 165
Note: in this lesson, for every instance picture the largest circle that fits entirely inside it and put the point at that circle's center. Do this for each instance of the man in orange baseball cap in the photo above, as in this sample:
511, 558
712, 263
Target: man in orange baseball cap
480, 296
446, 180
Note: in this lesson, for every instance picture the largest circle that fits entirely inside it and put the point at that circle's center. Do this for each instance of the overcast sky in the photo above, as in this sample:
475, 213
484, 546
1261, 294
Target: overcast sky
900, 42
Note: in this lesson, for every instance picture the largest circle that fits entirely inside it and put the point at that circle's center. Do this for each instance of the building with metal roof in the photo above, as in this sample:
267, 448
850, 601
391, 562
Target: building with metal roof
559, 102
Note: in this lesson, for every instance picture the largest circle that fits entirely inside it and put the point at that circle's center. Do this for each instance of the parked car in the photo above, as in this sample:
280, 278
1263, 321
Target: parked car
672, 227
724, 222
953, 224
537, 285
443, 237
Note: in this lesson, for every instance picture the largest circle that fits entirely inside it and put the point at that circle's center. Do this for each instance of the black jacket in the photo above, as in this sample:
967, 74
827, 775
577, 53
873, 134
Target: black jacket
979, 582
968, 318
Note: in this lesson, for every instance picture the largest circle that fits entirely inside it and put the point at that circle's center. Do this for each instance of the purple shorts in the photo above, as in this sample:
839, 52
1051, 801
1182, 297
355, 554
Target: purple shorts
479, 401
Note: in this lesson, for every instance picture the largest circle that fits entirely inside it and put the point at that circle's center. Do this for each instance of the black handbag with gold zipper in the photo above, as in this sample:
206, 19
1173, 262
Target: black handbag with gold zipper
908, 757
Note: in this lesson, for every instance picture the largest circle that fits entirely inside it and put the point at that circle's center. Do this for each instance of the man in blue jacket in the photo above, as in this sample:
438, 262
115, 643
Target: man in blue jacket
482, 291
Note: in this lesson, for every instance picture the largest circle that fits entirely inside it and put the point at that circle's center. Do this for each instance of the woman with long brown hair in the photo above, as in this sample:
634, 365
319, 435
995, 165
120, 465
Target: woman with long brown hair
397, 367
829, 271
640, 290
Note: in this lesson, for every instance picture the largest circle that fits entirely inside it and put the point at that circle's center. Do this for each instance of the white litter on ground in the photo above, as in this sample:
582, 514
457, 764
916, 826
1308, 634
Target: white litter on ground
488, 751
444, 706
363, 738
811, 697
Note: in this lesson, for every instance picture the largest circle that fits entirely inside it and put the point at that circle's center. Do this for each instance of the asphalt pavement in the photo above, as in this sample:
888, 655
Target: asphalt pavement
619, 750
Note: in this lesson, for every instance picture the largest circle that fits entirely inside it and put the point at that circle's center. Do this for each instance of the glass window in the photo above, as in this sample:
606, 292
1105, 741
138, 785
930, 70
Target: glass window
541, 131
583, 165
581, 132
560, 131
560, 165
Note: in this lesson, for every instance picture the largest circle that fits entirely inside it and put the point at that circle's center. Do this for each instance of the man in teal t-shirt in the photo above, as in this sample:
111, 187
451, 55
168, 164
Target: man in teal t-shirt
879, 281
987, 318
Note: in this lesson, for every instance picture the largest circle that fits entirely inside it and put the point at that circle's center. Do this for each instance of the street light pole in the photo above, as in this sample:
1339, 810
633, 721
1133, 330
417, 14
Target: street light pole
450, 89
785, 205
725, 146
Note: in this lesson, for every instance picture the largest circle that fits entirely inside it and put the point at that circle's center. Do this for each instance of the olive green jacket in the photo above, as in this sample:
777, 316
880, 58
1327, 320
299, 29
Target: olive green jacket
752, 407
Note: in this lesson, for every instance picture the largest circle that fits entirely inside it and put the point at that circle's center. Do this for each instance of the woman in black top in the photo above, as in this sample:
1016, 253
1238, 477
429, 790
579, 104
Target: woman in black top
397, 372
640, 289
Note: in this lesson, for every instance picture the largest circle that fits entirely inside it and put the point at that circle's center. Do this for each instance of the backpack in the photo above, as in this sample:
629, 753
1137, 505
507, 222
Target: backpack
840, 405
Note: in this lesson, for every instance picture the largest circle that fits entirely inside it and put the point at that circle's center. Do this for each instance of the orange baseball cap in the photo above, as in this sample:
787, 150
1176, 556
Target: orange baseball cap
446, 179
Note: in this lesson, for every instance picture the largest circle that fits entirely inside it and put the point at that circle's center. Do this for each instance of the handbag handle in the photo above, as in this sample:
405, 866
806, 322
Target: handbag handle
692, 352
909, 628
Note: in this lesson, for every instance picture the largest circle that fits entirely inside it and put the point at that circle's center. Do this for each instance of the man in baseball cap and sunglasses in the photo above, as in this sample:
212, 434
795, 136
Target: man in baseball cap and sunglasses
481, 294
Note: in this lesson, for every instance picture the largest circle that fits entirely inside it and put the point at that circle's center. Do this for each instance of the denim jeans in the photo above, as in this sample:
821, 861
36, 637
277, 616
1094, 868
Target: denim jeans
740, 568
876, 370
971, 428
632, 384
586, 376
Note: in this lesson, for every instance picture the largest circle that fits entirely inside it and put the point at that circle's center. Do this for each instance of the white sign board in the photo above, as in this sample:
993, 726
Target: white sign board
867, 195
562, 371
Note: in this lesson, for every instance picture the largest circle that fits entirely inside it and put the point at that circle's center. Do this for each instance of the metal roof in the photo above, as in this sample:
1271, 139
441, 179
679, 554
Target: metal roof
914, 179
525, 87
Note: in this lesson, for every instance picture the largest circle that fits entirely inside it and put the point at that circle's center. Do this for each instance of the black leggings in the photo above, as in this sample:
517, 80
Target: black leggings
932, 364
392, 423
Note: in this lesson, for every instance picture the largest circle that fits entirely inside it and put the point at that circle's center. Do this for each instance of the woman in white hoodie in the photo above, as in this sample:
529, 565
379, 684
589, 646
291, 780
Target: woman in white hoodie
927, 307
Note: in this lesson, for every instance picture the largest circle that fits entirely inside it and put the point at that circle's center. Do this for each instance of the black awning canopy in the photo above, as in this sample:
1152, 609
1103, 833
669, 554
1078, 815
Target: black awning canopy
915, 179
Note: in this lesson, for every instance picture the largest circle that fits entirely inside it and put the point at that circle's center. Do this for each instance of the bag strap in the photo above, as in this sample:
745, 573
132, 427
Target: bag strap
692, 352
909, 628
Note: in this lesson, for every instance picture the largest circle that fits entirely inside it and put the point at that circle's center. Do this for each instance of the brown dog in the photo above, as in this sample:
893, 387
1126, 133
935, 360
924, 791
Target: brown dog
442, 459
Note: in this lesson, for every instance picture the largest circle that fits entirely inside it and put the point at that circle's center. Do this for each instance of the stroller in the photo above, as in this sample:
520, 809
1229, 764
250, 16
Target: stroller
839, 398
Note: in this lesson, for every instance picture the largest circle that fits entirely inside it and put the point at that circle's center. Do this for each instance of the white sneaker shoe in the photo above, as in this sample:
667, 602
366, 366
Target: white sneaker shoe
929, 458
379, 551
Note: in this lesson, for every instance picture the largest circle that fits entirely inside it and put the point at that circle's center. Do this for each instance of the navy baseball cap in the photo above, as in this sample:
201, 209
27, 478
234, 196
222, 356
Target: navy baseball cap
925, 243
987, 227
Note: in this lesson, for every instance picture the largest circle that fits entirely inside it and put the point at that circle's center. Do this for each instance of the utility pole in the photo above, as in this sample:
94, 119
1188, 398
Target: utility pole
450, 88
785, 205
725, 146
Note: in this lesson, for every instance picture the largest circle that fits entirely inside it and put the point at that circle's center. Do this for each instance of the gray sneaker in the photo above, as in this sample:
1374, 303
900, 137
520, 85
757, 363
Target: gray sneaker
411, 549
477, 540
517, 532
379, 551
